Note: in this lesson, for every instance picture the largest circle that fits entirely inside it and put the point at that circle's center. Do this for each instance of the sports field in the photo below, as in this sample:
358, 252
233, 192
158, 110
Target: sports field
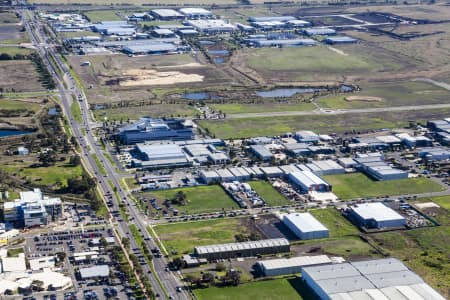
358, 185
181, 238
199, 199
268, 193
262, 290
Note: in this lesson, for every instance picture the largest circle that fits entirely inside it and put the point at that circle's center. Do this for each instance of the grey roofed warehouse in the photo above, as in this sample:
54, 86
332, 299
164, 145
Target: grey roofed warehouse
305, 226
150, 49
211, 26
195, 12
271, 18
166, 14
94, 272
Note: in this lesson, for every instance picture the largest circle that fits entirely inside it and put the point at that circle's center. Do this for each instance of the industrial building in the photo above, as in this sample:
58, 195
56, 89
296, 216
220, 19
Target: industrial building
414, 141
325, 167
150, 48
332, 40
152, 156
261, 152
281, 43
98, 271
306, 136
376, 168
32, 209
308, 181
371, 279
166, 14
297, 149
211, 26
147, 129
196, 13
375, 215
319, 31
305, 226
434, 154
293, 265
271, 19
244, 249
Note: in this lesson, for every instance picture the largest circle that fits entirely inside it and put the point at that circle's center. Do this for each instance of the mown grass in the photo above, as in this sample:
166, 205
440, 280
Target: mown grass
102, 15
181, 238
285, 288
75, 110
199, 199
268, 193
15, 50
358, 185
6, 104
236, 108
337, 225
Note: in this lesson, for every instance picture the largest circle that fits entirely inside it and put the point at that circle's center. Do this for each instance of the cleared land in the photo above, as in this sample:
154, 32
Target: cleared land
198, 199
19, 75
181, 238
266, 126
103, 15
135, 2
357, 185
14, 105
391, 94
261, 290
319, 63
118, 77
154, 110
268, 193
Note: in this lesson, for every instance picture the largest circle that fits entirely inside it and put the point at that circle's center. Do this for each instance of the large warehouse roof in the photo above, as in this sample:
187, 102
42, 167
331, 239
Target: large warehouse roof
166, 13
305, 222
195, 11
294, 261
241, 246
308, 178
95, 271
377, 211
379, 266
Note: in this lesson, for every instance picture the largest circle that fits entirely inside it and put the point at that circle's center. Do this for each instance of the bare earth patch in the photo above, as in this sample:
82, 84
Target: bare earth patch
153, 77
363, 98
340, 52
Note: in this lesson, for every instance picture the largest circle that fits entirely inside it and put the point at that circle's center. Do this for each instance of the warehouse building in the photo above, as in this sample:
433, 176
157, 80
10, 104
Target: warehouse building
212, 26
271, 19
281, 43
443, 138
375, 167
152, 156
372, 279
305, 226
196, 13
414, 141
375, 215
297, 149
319, 31
166, 14
347, 162
244, 249
293, 265
150, 48
325, 167
272, 172
147, 129
434, 154
261, 152
298, 23
332, 40
287, 169
306, 136
308, 181
225, 175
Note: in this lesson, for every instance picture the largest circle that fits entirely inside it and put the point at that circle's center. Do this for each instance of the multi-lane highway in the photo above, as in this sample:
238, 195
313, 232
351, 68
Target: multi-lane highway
165, 283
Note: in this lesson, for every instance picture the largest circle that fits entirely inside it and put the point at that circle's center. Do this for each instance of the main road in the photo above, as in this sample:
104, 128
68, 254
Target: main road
164, 282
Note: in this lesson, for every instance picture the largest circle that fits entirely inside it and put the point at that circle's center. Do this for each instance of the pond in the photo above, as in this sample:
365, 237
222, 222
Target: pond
199, 96
286, 92
207, 42
9, 132
219, 52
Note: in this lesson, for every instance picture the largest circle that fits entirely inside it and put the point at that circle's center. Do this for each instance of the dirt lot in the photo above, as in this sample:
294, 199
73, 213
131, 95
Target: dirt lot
121, 78
19, 76
438, 11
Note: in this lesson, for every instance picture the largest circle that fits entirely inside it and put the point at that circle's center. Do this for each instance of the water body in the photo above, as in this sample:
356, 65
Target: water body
219, 60
199, 96
346, 88
8, 132
219, 52
286, 92
206, 42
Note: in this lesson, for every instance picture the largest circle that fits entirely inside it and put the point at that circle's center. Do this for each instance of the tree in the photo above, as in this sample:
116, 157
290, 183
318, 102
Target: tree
233, 276
177, 263
75, 160
126, 242
220, 267
180, 198
103, 242
208, 278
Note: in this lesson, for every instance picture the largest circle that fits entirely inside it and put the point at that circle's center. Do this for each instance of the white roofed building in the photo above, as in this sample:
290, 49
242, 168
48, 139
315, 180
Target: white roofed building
305, 226
375, 215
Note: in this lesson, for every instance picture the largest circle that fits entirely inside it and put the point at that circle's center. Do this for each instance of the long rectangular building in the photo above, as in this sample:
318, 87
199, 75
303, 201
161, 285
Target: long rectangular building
375, 215
308, 181
293, 265
305, 226
244, 249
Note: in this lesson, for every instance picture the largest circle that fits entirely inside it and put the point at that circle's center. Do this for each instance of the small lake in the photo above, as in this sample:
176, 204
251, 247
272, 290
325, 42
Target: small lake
8, 132
285, 92
206, 43
219, 60
219, 52
199, 96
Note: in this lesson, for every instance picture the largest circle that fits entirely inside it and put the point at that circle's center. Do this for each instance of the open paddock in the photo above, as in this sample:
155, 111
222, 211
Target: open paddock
133, 2
19, 76
269, 126
181, 238
13, 34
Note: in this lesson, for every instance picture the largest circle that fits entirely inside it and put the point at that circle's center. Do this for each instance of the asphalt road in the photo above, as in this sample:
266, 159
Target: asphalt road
89, 145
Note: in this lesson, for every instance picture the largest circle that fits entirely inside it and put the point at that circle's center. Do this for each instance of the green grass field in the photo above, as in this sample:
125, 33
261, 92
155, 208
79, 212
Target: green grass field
8, 17
392, 94
358, 185
15, 50
276, 125
424, 250
6, 104
99, 164
261, 290
337, 225
59, 173
268, 193
443, 201
181, 238
236, 108
199, 199
73, 34
75, 110
103, 15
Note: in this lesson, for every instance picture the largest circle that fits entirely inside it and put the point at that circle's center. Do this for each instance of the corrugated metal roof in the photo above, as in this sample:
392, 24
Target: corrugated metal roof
294, 262
305, 222
377, 211
241, 246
